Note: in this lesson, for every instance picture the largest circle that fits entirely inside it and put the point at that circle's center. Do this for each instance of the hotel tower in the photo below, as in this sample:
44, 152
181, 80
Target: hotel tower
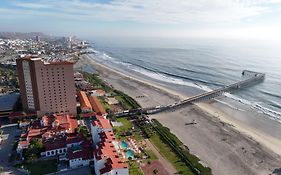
46, 87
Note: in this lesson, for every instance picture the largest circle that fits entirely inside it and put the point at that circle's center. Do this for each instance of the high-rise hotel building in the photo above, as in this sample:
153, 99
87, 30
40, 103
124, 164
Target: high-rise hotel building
46, 87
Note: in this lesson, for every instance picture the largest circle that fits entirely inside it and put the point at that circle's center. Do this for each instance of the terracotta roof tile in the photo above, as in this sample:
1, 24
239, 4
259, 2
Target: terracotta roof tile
96, 105
84, 101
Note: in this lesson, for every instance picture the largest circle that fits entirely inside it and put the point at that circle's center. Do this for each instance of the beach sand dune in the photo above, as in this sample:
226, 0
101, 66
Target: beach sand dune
219, 142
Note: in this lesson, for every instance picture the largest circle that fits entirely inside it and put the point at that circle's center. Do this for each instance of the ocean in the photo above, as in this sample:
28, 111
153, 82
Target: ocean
197, 65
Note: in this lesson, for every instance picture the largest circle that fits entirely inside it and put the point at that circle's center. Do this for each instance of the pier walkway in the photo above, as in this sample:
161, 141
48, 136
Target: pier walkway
252, 78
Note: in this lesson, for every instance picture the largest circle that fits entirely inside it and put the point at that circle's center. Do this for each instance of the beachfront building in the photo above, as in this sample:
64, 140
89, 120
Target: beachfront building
98, 92
46, 87
98, 126
96, 105
108, 162
106, 158
85, 104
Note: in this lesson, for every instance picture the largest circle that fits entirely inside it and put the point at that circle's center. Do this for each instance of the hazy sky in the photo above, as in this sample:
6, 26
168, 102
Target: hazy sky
169, 18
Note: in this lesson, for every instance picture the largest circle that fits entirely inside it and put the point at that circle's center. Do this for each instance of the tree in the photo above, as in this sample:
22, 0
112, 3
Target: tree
1, 168
32, 157
83, 130
34, 149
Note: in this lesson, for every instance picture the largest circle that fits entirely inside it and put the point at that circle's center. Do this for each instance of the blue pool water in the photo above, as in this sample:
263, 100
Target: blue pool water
130, 154
124, 145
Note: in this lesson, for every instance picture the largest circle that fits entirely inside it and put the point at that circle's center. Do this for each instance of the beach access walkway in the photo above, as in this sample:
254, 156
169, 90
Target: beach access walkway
168, 166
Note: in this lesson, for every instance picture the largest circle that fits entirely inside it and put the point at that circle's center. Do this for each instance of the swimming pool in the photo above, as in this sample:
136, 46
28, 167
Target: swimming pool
124, 144
130, 154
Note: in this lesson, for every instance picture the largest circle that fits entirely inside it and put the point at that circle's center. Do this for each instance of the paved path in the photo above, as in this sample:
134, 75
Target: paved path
168, 166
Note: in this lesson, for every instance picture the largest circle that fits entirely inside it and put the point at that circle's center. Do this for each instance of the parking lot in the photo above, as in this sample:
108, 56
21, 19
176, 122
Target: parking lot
9, 134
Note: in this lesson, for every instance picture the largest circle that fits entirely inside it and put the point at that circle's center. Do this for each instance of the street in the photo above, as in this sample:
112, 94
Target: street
83, 171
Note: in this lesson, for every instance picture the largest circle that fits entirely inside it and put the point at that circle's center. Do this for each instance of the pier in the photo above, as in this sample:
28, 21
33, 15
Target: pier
251, 78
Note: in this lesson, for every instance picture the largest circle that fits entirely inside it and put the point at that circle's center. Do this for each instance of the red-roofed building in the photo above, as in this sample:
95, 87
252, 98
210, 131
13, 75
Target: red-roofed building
59, 139
106, 158
54, 131
63, 122
22, 145
98, 126
80, 155
98, 92
59, 143
87, 115
85, 104
96, 105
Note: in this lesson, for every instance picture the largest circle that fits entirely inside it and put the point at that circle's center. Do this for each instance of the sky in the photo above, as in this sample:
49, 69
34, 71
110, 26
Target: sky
145, 18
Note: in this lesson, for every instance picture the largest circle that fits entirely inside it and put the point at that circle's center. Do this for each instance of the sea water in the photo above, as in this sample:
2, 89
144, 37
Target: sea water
203, 65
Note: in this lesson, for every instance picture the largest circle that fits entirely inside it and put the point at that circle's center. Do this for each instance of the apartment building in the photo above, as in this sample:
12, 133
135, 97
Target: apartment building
46, 87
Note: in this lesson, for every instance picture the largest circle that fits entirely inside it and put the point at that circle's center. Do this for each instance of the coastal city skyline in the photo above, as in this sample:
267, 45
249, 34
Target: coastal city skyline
252, 19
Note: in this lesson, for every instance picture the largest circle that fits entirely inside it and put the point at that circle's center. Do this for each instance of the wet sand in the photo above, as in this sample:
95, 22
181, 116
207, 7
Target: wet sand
221, 142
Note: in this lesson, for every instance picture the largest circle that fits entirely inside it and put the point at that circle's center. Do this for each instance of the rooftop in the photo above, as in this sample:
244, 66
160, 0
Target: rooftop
96, 105
107, 151
60, 121
102, 123
84, 101
83, 151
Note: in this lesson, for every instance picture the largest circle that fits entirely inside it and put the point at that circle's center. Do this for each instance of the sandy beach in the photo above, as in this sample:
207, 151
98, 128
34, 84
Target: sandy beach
221, 141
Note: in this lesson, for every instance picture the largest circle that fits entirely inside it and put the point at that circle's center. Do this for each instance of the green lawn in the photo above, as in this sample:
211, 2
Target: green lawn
105, 105
170, 155
151, 155
41, 167
137, 135
134, 168
125, 104
127, 125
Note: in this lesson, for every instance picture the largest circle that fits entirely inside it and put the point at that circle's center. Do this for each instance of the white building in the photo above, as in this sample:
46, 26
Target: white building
80, 155
98, 126
106, 158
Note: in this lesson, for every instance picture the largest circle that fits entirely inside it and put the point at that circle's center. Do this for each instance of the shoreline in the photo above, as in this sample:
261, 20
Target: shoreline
243, 130
271, 143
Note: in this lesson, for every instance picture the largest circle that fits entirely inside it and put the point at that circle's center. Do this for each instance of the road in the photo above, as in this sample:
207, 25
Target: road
82, 171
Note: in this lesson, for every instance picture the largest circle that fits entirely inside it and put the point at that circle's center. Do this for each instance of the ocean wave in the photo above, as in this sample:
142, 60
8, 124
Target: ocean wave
260, 107
193, 71
229, 105
271, 113
270, 94
166, 79
193, 82
275, 104
157, 71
